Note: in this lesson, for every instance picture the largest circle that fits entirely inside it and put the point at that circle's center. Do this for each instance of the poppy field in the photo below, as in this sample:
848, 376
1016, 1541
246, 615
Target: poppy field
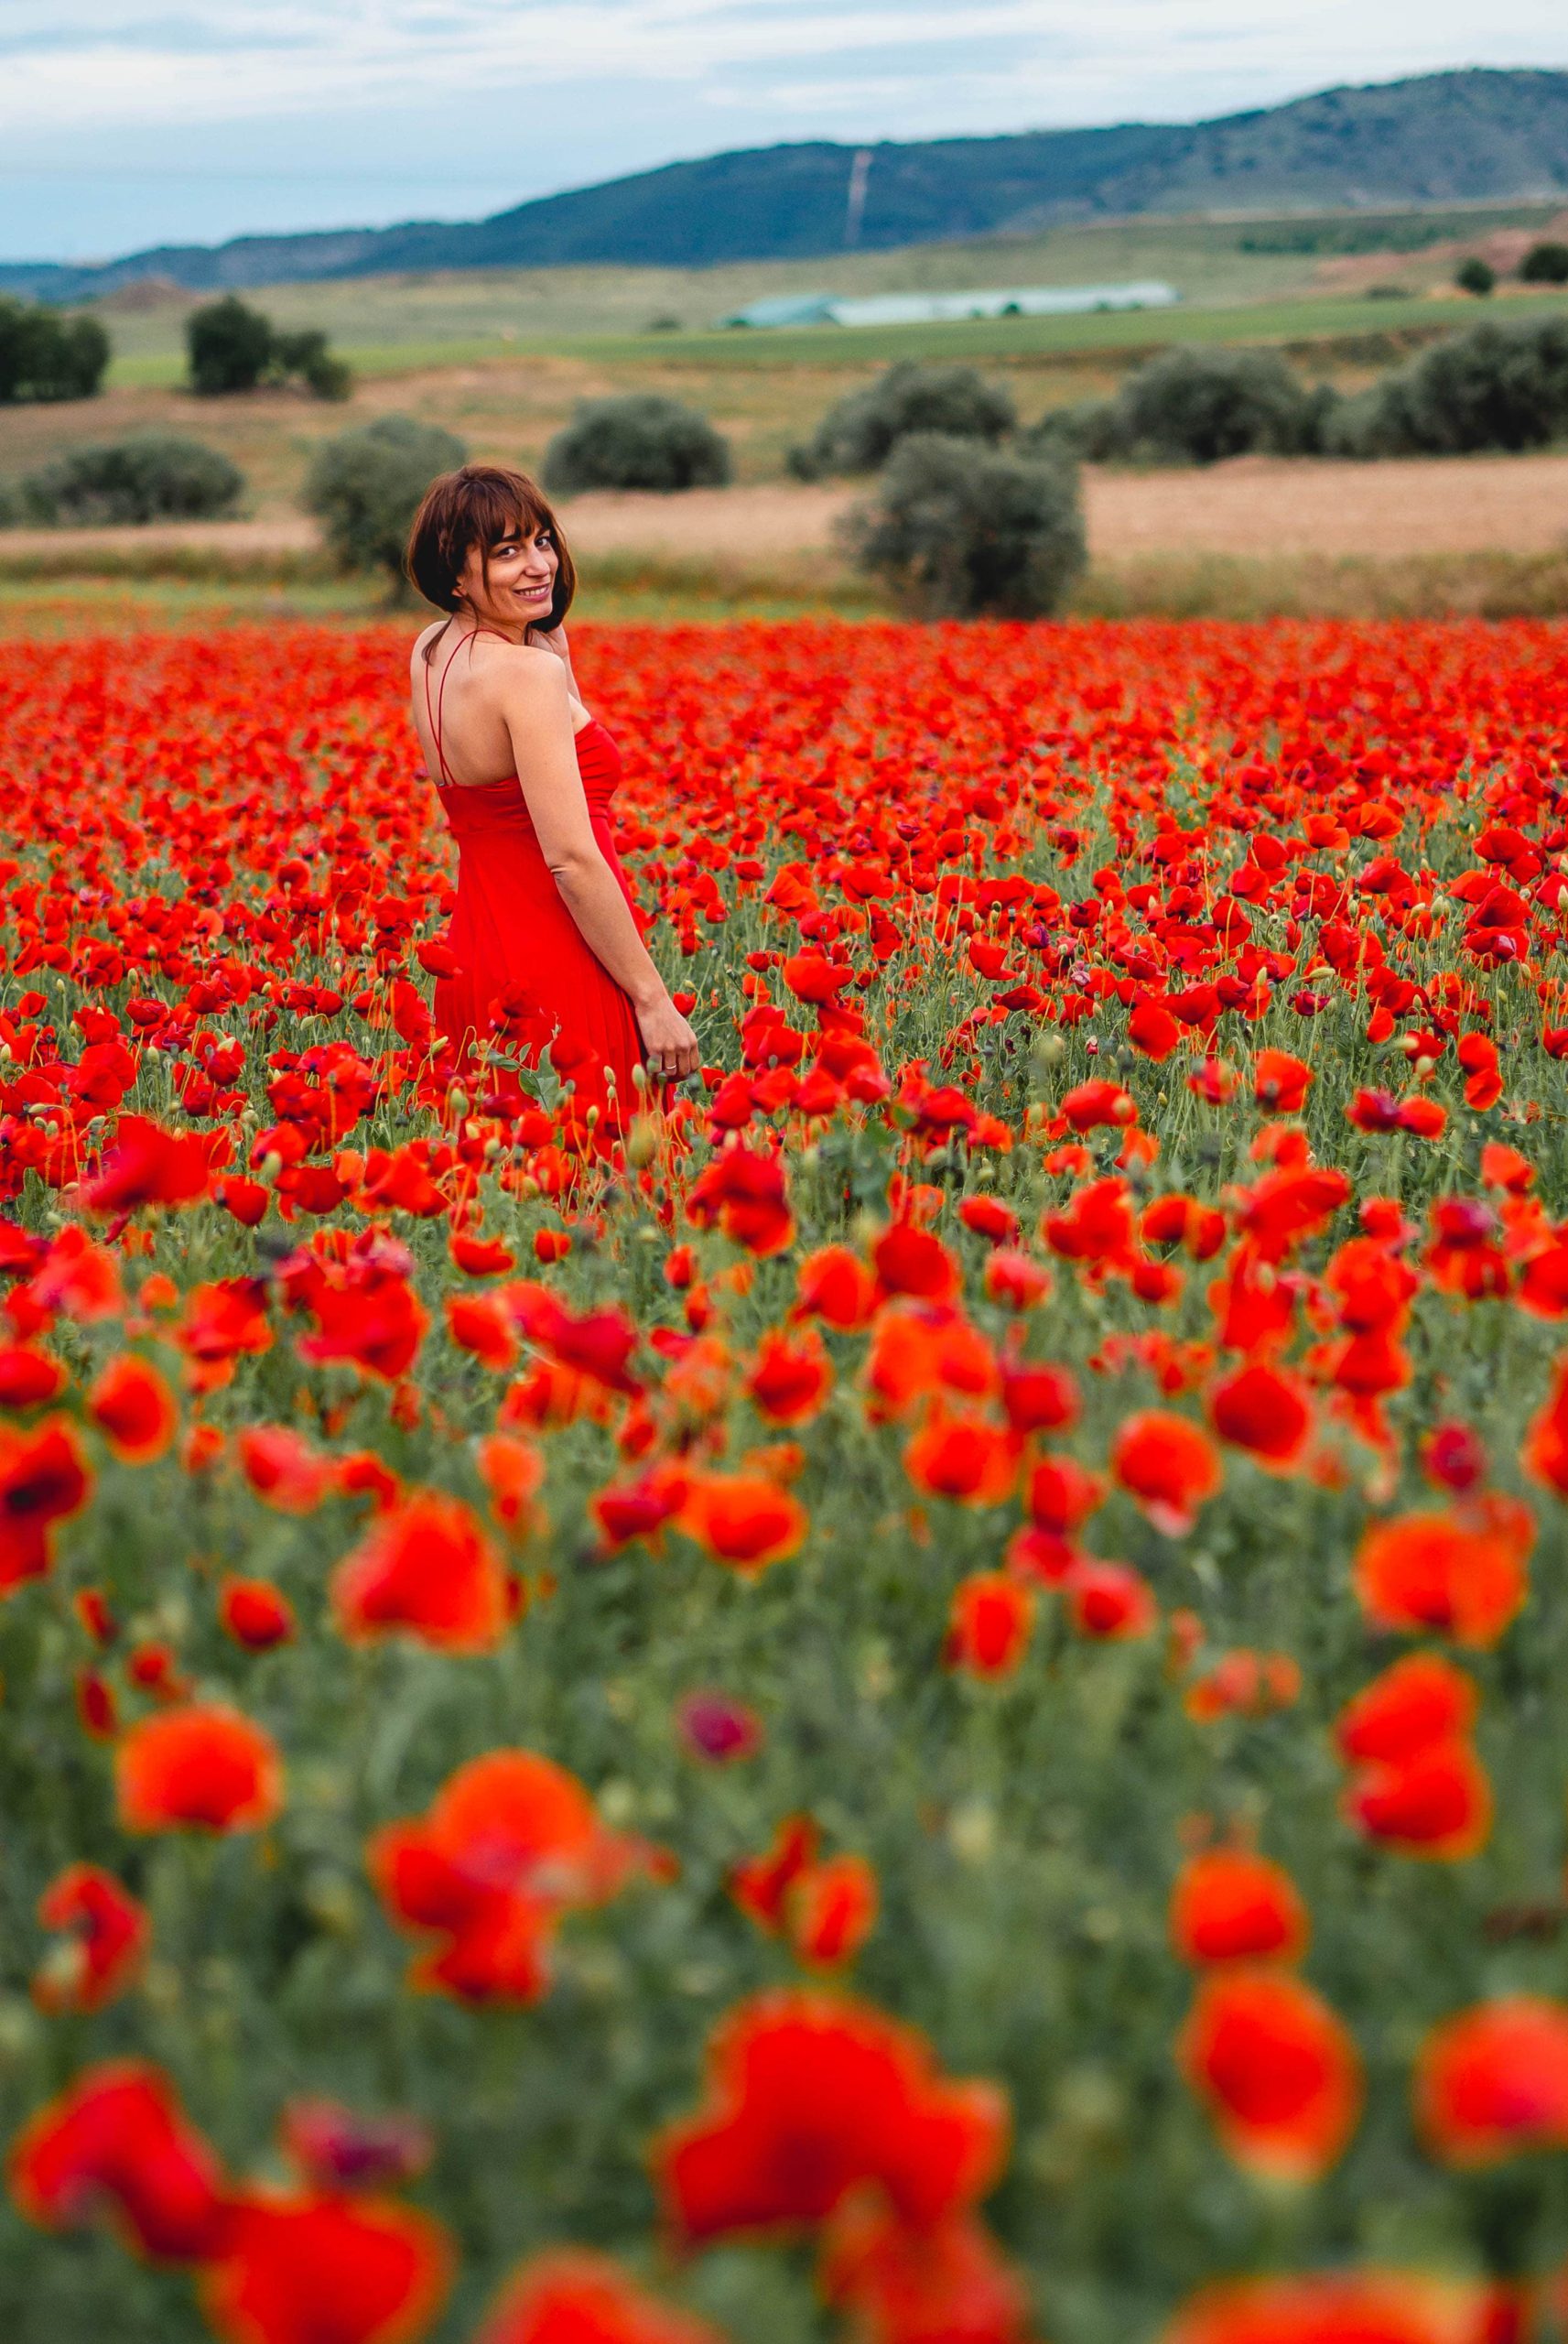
919, 1700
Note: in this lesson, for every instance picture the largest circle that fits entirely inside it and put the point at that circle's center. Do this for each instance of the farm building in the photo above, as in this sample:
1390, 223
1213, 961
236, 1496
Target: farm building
931, 309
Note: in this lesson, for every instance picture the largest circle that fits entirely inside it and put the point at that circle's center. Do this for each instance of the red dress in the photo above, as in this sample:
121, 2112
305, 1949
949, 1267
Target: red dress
525, 975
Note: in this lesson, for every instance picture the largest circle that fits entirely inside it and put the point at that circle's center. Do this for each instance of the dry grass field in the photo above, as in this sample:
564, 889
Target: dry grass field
1250, 508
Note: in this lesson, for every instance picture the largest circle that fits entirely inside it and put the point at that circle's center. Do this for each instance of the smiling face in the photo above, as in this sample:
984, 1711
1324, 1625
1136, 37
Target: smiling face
510, 583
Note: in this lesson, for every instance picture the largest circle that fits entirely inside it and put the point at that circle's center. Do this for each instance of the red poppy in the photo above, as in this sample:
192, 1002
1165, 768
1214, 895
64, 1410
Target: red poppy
791, 1377
911, 1261
958, 1454
1436, 1802
1280, 1082
1493, 2080
761, 1885
831, 1910
326, 2270
43, 1478
256, 1613
116, 2142
104, 1944
148, 1165
743, 1519
203, 1767
812, 2098
1278, 2072
1169, 1465
426, 1569
747, 1196
133, 1406
510, 1844
570, 2296
1266, 1411
989, 1625
285, 1468
1229, 1904
1435, 1571
1109, 1599
1419, 1701
29, 1378
942, 2283
1545, 1452
835, 1285
1337, 2307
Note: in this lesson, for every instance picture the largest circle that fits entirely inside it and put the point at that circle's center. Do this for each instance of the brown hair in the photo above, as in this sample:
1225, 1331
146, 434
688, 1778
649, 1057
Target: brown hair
478, 506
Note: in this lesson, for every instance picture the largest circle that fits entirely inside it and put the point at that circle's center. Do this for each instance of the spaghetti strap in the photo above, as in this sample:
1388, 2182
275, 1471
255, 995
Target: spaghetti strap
433, 715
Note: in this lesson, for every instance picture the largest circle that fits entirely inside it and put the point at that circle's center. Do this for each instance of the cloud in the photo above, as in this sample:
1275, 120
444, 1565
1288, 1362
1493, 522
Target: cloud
75, 64
122, 125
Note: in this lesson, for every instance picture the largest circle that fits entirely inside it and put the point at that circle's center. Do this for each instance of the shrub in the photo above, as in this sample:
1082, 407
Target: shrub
959, 529
364, 486
45, 356
638, 441
150, 476
1475, 275
1498, 387
307, 356
232, 347
1199, 405
861, 433
1545, 263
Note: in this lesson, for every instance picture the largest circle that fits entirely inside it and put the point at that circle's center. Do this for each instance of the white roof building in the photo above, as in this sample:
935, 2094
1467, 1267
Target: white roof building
930, 309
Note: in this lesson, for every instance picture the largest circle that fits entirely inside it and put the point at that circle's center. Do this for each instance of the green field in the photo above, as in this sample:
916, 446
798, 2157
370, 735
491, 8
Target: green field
388, 323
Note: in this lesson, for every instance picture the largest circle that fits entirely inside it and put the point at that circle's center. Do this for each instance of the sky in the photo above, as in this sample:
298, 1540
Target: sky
125, 125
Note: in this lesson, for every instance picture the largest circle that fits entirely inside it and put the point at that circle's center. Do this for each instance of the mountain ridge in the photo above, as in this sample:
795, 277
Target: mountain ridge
1478, 135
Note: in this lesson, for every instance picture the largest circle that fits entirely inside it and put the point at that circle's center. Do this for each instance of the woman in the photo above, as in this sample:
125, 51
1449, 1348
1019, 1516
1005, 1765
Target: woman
544, 937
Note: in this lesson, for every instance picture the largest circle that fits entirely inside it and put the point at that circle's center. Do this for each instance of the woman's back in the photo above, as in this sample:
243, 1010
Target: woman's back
457, 704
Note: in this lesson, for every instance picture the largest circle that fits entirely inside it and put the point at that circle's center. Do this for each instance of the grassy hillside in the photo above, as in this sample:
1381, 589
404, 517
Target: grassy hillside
1441, 138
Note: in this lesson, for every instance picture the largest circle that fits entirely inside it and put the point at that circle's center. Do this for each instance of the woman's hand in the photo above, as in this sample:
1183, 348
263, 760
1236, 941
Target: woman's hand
670, 1045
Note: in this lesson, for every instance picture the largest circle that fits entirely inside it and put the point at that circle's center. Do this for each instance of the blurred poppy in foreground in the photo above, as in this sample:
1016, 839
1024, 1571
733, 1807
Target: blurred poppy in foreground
203, 1767
811, 2098
571, 2296
1278, 2070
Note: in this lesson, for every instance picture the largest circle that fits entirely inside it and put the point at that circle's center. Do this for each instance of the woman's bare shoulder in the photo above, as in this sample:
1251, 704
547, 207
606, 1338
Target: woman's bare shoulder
424, 643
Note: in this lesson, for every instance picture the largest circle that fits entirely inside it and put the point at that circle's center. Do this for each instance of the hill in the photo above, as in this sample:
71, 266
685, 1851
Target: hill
1441, 138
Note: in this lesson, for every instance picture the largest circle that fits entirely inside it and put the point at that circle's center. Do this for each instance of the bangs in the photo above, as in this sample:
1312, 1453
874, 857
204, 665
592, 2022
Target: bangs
475, 509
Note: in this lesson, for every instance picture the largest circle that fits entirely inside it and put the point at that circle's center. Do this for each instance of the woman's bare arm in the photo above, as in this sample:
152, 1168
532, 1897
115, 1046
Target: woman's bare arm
532, 698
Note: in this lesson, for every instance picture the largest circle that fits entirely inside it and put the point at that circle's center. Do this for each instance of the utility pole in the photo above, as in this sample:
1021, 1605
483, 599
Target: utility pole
855, 210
